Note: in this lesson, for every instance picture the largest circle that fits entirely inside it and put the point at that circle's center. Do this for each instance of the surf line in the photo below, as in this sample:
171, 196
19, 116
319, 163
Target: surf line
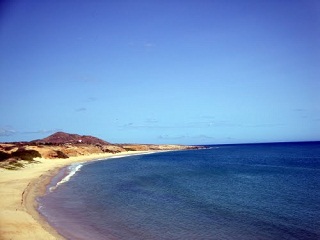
73, 169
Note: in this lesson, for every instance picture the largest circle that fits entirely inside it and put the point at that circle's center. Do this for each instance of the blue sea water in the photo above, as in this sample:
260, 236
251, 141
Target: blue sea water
255, 191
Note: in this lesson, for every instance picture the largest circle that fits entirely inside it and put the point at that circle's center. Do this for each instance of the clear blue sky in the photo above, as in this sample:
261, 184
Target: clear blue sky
147, 71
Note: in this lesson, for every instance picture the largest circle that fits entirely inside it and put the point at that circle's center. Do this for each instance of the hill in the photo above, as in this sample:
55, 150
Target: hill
15, 155
67, 138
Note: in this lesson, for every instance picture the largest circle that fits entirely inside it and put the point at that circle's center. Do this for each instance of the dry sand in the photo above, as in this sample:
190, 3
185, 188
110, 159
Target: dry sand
19, 218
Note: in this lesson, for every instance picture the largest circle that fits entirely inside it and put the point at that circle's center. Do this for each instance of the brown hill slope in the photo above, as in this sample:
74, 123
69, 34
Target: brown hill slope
64, 145
67, 138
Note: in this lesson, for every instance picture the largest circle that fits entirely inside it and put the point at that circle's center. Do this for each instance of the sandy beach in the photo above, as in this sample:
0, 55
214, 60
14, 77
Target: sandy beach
19, 218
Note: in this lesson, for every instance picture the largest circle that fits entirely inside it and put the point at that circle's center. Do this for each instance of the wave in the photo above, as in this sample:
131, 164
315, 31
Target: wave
73, 168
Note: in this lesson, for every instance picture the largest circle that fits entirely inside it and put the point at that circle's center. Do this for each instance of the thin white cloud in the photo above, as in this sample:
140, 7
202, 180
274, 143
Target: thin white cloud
146, 45
91, 99
145, 126
42, 131
265, 125
166, 136
84, 79
151, 121
6, 132
82, 109
211, 123
149, 45
153, 124
203, 136
299, 110
208, 117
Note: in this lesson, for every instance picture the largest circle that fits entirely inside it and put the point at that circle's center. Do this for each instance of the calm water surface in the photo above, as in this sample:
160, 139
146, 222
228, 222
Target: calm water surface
261, 191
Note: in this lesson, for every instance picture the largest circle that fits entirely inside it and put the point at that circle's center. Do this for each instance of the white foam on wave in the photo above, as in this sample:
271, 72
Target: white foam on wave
73, 169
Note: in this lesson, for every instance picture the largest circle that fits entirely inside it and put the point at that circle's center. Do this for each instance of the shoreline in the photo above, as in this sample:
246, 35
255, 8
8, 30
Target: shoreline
19, 216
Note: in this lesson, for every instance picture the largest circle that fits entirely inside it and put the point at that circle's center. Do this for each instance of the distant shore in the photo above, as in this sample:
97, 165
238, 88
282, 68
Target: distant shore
19, 216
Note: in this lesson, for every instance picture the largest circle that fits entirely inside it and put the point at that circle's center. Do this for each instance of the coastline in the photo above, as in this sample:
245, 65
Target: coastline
19, 216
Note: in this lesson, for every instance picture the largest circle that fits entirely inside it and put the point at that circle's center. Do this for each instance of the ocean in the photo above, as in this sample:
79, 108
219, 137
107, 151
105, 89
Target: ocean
250, 191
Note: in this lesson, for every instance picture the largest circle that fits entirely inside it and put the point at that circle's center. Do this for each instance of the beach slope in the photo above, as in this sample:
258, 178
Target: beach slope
19, 218
27, 167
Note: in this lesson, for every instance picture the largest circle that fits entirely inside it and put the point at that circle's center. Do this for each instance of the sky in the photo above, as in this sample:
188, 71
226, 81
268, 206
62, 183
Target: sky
169, 71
